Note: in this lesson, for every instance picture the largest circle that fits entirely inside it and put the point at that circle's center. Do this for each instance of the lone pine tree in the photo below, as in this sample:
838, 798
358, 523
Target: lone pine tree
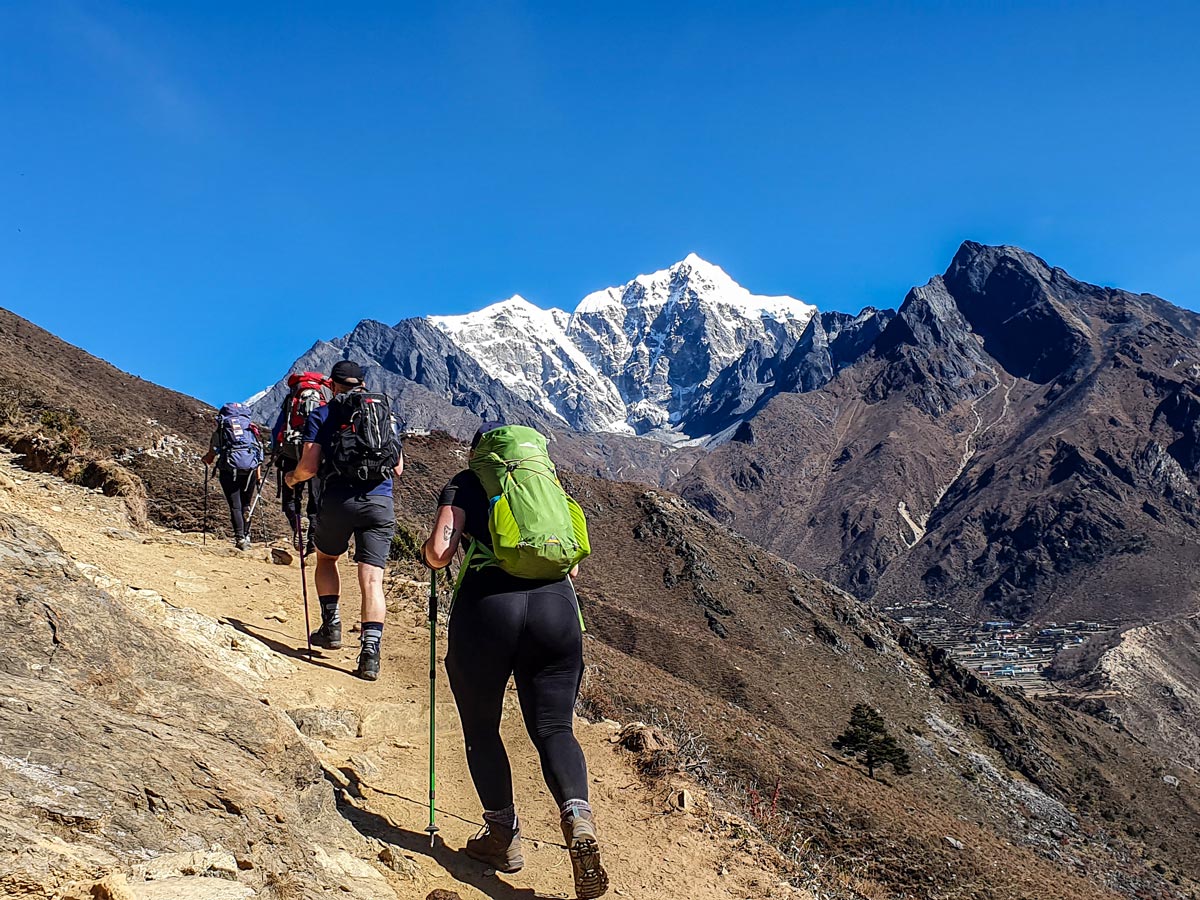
868, 739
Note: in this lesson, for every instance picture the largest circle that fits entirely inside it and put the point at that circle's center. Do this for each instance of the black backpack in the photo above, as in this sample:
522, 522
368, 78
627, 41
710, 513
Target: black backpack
364, 445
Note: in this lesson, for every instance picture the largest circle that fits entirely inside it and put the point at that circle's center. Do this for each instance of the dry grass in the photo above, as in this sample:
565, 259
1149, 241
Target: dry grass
755, 819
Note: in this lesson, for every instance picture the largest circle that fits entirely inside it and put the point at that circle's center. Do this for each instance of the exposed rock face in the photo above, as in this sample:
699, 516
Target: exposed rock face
1149, 682
851, 337
1015, 443
432, 382
1027, 314
119, 745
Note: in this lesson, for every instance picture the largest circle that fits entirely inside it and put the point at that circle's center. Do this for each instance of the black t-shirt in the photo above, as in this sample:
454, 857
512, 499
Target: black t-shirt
465, 492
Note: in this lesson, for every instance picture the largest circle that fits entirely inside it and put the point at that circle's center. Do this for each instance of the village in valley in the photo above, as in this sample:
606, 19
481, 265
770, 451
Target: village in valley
1009, 653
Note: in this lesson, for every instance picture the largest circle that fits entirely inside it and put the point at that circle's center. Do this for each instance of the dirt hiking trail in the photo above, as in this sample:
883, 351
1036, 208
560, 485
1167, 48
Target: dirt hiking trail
372, 738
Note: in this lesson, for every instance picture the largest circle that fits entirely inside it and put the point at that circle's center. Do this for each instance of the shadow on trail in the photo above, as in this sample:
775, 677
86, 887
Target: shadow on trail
456, 863
299, 653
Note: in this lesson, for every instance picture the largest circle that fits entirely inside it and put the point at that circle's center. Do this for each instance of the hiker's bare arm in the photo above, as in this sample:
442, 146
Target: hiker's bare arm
439, 548
399, 470
310, 461
574, 573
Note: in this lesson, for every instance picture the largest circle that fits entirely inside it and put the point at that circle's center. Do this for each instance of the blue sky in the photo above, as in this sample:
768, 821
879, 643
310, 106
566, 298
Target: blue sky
198, 191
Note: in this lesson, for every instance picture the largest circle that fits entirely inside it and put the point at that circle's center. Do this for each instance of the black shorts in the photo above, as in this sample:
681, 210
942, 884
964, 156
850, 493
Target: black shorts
372, 521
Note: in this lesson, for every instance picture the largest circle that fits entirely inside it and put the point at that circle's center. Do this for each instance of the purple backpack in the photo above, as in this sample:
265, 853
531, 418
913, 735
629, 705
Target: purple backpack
238, 441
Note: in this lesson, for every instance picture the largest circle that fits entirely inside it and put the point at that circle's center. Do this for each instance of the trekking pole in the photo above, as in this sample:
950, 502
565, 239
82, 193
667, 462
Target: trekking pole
262, 483
303, 576
204, 539
432, 830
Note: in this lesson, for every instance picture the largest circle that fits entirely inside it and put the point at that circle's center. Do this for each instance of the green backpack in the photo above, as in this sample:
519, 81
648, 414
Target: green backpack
537, 531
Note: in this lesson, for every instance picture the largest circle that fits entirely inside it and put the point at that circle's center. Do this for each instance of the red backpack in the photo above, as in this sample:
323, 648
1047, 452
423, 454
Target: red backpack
307, 391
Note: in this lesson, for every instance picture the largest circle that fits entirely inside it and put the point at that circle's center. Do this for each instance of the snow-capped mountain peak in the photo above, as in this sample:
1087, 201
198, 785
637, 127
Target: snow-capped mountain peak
515, 307
527, 349
679, 352
664, 338
703, 279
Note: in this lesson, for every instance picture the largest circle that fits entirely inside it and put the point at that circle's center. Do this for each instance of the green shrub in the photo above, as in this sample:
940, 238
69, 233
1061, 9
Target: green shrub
404, 544
60, 420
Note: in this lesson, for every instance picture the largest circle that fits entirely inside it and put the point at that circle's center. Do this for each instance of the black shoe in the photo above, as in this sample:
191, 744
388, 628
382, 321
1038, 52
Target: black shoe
368, 664
328, 636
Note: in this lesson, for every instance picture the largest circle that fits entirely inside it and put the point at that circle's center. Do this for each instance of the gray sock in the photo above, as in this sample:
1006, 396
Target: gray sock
502, 818
329, 610
572, 808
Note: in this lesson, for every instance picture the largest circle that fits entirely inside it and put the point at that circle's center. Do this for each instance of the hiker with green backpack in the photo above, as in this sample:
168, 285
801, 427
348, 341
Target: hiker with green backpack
515, 613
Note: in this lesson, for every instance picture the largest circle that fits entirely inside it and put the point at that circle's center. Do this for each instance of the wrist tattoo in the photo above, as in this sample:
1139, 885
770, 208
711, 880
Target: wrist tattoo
448, 533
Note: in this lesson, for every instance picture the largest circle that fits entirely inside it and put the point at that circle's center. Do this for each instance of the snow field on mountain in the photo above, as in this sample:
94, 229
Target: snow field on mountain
630, 358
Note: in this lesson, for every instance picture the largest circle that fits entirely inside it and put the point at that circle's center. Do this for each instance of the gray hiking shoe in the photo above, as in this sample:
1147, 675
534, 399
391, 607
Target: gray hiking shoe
591, 880
328, 636
498, 847
243, 543
368, 663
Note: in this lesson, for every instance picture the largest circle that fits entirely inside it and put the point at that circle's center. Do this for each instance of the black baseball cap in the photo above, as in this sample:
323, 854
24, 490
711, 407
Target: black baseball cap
347, 372
484, 428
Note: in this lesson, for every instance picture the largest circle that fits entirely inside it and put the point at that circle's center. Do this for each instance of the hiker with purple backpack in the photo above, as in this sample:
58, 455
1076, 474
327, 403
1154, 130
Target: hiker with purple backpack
236, 446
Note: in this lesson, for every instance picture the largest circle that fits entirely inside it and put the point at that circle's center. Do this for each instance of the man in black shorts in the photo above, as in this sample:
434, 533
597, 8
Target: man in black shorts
347, 507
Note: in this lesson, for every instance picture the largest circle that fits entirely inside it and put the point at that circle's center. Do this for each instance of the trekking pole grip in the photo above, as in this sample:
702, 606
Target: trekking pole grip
433, 595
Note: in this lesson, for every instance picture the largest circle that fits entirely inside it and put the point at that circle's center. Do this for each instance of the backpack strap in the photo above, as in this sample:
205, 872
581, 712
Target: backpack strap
462, 571
578, 608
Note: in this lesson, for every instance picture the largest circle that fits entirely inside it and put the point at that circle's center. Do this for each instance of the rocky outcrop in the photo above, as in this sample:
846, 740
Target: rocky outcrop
1026, 313
125, 756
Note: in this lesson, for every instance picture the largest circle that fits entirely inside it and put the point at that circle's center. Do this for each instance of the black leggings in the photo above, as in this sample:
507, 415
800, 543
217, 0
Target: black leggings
533, 634
239, 488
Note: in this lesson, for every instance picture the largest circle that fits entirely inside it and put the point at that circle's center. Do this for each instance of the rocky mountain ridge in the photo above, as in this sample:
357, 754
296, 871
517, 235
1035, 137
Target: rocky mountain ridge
1016, 443
678, 355
1008, 428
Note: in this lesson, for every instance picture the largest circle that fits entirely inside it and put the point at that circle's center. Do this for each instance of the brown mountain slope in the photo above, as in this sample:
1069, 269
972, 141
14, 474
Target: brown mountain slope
1017, 443
148, 740
85, 404
121, 409
698, 627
